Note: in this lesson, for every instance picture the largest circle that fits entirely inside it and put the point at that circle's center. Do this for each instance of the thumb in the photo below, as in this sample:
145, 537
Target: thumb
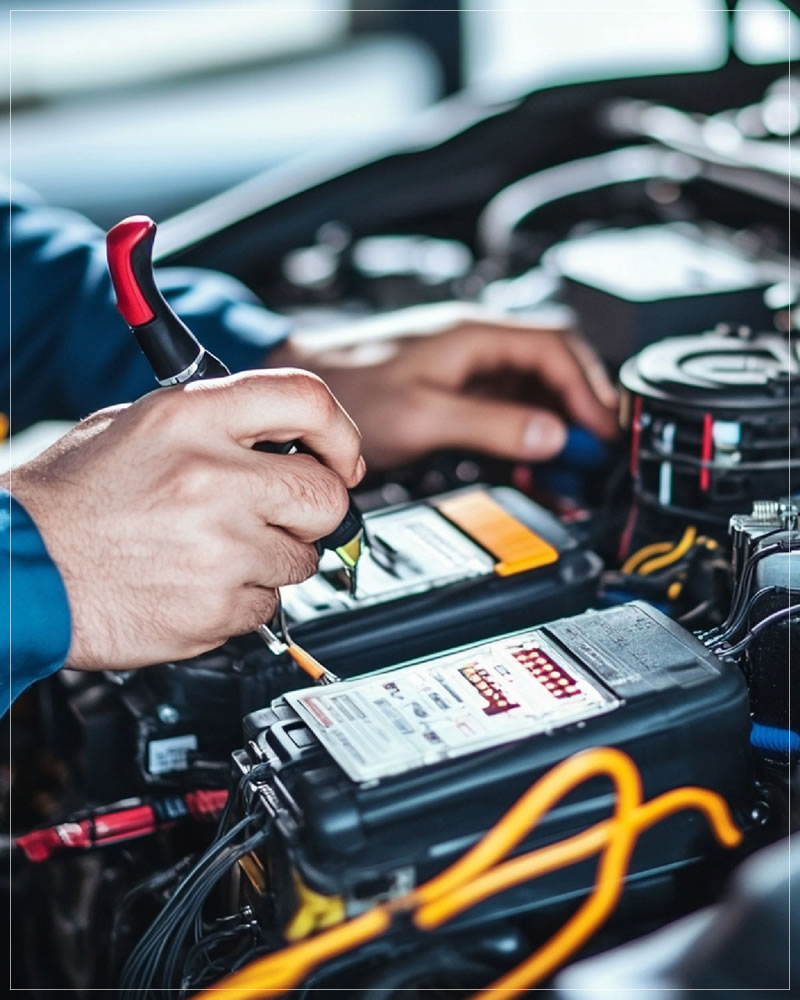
507, 430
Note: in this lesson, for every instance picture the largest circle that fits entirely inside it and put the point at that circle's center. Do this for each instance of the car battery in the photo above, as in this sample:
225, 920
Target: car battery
376, 784
440, 572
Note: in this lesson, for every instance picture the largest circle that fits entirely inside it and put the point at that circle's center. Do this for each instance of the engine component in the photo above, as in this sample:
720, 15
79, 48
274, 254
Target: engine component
631, 287
712, 426
766, 606
376, 784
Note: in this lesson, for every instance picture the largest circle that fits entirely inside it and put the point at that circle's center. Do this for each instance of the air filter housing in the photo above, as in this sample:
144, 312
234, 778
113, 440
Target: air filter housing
712, 424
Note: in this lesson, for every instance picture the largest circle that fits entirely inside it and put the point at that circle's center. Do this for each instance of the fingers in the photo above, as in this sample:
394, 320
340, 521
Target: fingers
277, 405
269, 559
276, 559
296, 493
507, 430
564, 363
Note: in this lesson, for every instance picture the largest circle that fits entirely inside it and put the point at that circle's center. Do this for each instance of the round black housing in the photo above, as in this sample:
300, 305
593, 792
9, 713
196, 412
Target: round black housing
712, 424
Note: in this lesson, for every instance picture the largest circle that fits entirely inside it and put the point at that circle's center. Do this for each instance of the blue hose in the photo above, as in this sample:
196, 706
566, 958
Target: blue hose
772, 738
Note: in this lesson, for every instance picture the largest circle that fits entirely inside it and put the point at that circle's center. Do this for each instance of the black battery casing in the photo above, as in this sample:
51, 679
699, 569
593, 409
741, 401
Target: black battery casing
683, 719
357, 640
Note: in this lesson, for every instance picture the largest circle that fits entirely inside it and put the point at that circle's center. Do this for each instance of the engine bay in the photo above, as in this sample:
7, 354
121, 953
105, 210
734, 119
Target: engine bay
564, 686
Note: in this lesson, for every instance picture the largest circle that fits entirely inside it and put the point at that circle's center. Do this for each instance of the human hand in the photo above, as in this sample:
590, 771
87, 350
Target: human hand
170, 532
452, 376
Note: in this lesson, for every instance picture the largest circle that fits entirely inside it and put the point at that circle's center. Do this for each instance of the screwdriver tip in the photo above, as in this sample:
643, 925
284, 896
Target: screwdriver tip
350, 553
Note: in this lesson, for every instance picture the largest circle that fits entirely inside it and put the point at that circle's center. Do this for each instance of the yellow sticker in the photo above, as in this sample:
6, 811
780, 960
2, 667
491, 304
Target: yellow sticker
512, 543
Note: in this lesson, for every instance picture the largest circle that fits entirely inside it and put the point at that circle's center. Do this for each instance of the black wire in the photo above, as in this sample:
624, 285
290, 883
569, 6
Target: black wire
143, 959
741, 618
235, 793
190, 979
172, 943
193, 907
154, 882
743, 586
757, 629
161, 949
222, 864
152, 932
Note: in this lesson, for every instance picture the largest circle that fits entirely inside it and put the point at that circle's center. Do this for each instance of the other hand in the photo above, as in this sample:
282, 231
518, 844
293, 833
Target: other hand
453, 376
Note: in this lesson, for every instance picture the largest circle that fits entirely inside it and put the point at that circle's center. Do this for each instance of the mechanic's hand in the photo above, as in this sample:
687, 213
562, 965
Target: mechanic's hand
444, 377
170, 533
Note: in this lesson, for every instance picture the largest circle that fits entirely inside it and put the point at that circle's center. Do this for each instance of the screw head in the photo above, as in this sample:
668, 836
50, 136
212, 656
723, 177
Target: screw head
167, 714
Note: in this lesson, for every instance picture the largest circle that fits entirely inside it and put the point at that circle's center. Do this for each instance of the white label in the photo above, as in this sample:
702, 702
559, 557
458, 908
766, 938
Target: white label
480, 697
428, 552
170, 754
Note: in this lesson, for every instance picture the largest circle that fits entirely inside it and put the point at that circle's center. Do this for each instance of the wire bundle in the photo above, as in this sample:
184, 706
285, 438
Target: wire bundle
478, 875
719, 638
664, 572
154, 962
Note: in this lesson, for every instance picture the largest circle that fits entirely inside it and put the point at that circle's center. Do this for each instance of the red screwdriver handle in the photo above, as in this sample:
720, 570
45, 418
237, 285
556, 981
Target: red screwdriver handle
171, 348
129, 246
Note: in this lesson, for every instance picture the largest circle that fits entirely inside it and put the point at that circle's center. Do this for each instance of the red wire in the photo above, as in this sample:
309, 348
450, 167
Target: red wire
706, 451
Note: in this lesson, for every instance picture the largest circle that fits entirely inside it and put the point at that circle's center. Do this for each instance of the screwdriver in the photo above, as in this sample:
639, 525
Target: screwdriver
177, 357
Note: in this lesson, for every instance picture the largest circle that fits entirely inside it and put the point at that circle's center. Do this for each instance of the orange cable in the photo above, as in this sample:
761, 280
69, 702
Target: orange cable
472, 877
610, 882
523, 816
305, 661
577, 848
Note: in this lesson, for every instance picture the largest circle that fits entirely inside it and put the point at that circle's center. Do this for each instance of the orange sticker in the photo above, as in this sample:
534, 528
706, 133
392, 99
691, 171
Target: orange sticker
514, 545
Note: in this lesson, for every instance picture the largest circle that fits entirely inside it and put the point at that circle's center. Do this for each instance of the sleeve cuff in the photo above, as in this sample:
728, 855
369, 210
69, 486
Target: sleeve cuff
40, 624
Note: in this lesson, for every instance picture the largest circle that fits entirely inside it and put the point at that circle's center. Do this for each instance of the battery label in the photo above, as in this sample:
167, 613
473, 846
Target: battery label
480, 697
413, 550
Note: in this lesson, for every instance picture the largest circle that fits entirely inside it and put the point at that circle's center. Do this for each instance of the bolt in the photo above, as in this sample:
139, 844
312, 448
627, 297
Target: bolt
167, 714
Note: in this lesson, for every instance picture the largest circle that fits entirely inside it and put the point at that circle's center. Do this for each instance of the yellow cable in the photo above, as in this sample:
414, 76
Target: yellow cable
288, 967
640, 555
680, 550
578, 848
623, 834
472, 878
283, 970
523, 816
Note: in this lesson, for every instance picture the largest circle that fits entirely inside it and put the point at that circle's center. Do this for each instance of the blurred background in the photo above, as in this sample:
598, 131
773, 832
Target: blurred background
152, 110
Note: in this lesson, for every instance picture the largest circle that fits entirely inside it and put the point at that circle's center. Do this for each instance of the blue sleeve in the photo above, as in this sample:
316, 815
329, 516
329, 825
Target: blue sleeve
37, 630
70, 351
